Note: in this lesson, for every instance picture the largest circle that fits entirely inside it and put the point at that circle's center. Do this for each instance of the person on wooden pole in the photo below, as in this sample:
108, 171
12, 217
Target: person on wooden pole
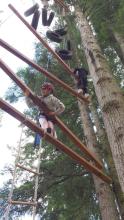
55, 106
80, 75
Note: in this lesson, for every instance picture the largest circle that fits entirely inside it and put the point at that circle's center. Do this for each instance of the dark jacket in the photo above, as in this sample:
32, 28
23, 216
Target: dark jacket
81, 74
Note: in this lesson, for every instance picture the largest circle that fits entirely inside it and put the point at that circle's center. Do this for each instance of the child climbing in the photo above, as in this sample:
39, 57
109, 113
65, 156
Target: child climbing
81, 78
55, 106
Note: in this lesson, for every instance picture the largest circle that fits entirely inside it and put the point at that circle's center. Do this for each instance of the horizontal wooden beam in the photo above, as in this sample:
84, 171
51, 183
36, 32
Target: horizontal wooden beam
30, 124
28, 169
22, 203
42, 70
38, 102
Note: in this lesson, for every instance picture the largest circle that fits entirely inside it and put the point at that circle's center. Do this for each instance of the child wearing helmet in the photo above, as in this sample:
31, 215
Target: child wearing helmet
55, 106
81, 78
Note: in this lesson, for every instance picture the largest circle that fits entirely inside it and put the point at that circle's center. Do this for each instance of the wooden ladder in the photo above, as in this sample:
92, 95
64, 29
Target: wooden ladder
17, 165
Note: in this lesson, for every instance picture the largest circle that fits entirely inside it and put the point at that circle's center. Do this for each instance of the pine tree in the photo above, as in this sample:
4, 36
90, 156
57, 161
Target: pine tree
110, 100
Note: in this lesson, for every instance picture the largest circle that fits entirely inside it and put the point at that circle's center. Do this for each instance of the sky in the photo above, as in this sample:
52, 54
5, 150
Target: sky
11, 31
14, 32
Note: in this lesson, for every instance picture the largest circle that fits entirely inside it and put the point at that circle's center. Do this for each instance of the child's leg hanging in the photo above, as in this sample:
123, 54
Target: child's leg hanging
51, 126
43, 122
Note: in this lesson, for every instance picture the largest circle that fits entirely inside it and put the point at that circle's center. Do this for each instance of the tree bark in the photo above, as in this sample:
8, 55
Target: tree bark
104, 193
108, 93
101, 134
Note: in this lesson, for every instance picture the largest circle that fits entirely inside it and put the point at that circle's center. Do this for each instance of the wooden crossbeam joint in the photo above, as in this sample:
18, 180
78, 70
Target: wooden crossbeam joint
56, 120
41, 70
19, 116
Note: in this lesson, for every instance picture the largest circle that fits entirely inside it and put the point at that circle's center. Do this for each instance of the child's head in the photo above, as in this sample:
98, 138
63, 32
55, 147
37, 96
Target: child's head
46, 89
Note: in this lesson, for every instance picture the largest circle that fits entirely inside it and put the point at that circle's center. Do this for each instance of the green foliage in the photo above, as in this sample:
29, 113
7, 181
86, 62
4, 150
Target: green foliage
106, 17
66, 190
13, 94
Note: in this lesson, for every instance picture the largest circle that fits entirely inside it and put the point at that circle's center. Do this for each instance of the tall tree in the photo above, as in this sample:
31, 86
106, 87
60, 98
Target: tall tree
108, 93
61, 176
105, 152
104, 193
107, 19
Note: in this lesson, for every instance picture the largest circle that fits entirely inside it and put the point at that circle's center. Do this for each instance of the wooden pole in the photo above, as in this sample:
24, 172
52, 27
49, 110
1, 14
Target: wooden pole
37, 180
22, 203
28, 169
42, 70
78, 143
19, 116
38, 102
7, 212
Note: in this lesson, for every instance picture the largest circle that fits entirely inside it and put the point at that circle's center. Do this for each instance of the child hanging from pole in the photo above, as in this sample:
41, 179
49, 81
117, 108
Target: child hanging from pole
80, 75
55, 106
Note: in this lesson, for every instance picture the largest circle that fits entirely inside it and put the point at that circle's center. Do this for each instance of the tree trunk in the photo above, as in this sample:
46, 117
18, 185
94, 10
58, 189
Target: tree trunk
120, 41
108, 157
104, 193
108, 93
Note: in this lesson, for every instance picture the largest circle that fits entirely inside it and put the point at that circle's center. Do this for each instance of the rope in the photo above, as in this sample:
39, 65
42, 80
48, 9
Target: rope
14, 177
36, 180
6, 216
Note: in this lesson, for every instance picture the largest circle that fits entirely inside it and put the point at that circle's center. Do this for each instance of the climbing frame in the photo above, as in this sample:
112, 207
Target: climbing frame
42, 70
95, 166
30, 124
36, 173
38, 102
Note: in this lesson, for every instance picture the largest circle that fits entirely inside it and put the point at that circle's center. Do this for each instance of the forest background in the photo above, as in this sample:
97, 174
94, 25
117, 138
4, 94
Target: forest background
66, 190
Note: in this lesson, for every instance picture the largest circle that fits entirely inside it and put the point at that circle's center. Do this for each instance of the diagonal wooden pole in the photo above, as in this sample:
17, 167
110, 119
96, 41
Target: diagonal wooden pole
30, 124
38, 102
42, 70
